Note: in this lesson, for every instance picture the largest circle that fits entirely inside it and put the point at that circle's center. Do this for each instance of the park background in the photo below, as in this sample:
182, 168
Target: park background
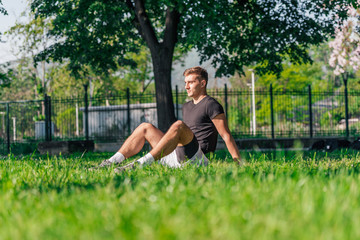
44, 100
276, 194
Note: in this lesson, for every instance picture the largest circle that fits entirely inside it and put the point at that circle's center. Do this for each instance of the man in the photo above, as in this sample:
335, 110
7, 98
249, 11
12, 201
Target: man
185, 141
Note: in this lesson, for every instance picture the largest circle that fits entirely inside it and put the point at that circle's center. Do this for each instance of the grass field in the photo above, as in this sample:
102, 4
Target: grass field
274, 196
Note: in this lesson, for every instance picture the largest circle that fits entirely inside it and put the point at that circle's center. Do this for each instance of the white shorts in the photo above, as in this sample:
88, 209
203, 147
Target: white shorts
171, 160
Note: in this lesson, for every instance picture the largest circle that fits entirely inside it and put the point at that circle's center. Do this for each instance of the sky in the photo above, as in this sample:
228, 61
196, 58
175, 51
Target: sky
14, 9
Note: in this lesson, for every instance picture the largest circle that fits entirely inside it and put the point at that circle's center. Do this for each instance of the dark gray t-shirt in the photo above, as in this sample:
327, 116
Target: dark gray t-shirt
198, 118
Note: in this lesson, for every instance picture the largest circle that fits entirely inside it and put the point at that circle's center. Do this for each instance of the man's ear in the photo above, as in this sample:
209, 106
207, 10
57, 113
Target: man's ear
203, 83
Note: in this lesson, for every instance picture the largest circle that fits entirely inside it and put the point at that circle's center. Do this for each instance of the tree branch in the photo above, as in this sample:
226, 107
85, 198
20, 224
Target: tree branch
145, 25
171, 24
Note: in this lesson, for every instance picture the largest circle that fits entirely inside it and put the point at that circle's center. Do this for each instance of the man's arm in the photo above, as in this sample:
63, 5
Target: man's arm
221, 125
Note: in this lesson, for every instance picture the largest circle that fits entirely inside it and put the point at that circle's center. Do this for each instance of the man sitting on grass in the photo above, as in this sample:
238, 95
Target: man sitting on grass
185, 141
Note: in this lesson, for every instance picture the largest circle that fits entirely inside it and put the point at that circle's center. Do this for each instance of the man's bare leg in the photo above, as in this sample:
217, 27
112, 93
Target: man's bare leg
178, 135
134, 143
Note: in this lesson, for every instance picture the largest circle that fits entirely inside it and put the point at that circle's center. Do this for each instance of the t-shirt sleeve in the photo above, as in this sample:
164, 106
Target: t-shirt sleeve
214, 108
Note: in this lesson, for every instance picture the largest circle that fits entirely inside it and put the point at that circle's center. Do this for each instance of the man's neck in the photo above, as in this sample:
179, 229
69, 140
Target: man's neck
199, 98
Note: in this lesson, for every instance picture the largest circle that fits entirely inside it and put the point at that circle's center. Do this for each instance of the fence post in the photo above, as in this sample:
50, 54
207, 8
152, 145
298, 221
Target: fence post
310, 113
272, 112
177, 101
8, 126
46, 103
128, 110
346, 110
86, 112
226, 101
49, 118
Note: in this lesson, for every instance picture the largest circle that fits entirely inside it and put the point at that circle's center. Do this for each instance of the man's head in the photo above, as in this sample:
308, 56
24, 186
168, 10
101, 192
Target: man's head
201, 73
196, 79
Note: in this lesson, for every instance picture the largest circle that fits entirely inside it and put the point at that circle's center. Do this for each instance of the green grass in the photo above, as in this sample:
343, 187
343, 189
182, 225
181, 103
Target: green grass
277, 195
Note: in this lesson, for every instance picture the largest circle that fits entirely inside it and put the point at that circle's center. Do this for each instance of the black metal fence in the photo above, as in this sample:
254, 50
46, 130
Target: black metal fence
260, 114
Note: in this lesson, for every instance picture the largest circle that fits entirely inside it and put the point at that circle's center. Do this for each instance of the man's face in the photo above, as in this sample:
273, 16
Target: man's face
193, 86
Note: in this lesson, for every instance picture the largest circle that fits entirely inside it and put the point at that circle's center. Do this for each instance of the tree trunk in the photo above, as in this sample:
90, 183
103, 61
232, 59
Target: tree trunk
162, 62
161, 54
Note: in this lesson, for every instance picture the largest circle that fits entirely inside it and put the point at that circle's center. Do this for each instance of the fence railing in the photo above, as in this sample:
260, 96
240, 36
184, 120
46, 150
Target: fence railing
277, 114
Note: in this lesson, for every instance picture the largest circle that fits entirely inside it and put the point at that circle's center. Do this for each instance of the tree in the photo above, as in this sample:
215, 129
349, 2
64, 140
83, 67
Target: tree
346, 50
30, 38
2, 11
142, 71
63, 84
345, 56
5, 78
16, 84
231, 33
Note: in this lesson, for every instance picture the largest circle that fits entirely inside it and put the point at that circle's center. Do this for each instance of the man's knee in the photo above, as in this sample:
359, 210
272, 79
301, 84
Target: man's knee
145, 126
182, 131
178, 126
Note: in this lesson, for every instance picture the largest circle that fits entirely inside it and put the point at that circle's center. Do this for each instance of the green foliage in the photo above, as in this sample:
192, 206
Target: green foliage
233, 34
100, 34
142, 72
259, 32
39, 117
66, 122
290, 90
275, 196
2, 11
332, 117
18, 83
5, 78
24, 79
92, 29
63, 84
29, 39
239, 111
293, 77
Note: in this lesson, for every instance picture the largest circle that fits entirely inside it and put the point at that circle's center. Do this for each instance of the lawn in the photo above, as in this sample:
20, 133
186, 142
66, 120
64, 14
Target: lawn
276, 195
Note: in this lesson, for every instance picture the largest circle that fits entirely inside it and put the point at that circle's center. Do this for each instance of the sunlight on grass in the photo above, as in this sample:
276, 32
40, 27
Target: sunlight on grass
276, 195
